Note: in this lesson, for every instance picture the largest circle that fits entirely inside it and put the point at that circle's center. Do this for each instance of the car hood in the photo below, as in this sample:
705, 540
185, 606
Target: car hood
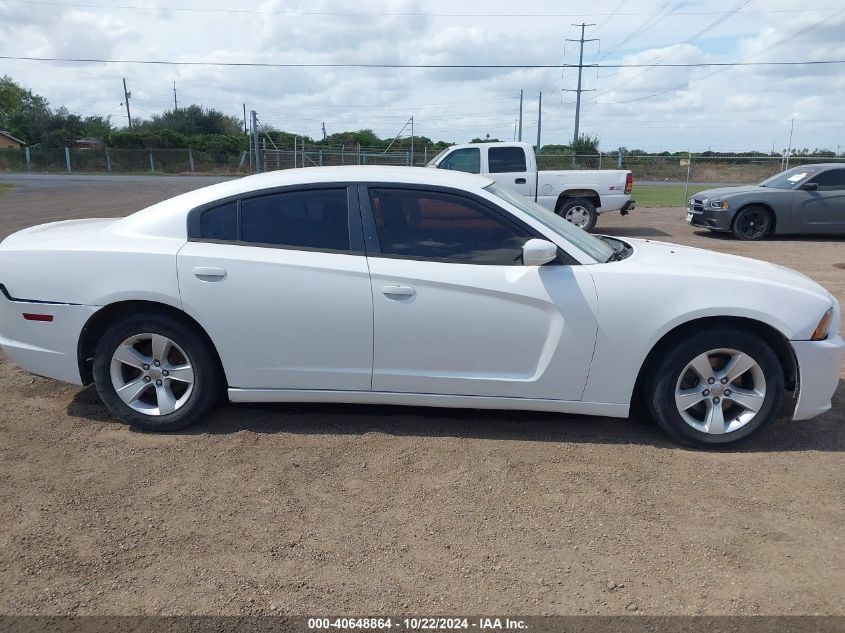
698, 262
723, 192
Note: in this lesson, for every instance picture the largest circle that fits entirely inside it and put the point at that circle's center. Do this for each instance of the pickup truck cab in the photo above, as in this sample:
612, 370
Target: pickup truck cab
577, 195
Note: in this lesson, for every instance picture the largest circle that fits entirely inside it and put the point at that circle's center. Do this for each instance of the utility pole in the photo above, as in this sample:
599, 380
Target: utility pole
537, 151
578, 90
126, 96
324, 130
255, 141
175, 103
412, 140
520, 116
246, 129
789, 150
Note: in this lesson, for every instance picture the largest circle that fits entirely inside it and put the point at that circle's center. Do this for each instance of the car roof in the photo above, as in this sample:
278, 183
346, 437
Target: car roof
167, 218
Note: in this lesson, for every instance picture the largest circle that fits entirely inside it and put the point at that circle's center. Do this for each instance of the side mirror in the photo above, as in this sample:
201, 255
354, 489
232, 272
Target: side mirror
537, 252
809, 186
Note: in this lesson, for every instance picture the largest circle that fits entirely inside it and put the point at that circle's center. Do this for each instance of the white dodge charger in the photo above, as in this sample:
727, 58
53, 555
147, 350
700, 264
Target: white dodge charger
412, 287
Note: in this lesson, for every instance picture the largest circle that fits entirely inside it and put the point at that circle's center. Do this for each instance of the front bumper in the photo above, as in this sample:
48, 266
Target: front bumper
714, 219
819, 367
46, 348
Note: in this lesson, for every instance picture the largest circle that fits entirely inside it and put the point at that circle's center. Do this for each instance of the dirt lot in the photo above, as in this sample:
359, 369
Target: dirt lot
356, 509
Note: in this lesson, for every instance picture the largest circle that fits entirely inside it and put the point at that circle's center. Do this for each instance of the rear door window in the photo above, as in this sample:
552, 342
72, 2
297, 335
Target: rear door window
315, 219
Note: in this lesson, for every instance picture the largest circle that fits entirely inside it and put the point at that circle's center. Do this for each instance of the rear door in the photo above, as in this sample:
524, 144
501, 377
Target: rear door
456, 312
509, 168
280, 283
822, 210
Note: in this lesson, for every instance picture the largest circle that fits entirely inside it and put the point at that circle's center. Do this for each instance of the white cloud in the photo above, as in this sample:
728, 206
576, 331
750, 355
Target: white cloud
738, 108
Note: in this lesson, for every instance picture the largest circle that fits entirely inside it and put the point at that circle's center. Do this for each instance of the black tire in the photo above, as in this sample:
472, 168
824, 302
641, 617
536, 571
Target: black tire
752, 223
587, 206
207, 380
664, 376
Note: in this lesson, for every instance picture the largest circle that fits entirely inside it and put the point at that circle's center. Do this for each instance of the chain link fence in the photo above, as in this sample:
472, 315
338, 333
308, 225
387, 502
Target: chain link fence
691, 169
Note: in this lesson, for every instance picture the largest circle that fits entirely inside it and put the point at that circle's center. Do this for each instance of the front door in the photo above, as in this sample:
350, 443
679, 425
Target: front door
281, 286
822, 210
455, 311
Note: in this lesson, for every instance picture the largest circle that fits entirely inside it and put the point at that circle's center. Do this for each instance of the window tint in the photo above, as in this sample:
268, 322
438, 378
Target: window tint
221, 223
437, 225
506, 159
830, 180
309, 219
467, 159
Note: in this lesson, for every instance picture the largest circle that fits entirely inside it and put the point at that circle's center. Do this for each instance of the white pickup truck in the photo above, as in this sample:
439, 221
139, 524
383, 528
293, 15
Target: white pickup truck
577, 195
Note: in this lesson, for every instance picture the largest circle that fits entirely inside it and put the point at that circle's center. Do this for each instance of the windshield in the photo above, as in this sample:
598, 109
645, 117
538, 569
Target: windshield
436, 158
789, 178
591, 245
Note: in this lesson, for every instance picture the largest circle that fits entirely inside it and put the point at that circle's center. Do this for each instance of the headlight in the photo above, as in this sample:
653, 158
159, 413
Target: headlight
823, 328
718, 204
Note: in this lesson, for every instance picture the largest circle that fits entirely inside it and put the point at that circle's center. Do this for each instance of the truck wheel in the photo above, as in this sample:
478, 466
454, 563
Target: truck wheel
580, 212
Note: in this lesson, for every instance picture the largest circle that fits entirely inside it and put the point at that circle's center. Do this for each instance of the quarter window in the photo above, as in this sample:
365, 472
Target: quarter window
506, 160
315, 218
467, 159
831, 180
442, 226
220, 223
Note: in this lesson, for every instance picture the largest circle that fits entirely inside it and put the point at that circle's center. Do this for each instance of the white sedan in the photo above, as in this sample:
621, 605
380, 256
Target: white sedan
412, 287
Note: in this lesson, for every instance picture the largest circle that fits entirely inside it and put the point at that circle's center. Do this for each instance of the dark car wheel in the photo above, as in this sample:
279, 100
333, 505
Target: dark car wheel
580, 212
715, 388
156, 373
752, 223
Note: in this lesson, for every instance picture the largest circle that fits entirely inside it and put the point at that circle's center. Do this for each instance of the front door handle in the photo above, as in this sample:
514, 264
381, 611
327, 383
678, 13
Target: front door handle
209, 272
398, 291
520, 181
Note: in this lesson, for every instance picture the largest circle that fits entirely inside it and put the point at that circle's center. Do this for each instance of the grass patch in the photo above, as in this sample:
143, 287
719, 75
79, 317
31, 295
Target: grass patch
648, 196
5, 186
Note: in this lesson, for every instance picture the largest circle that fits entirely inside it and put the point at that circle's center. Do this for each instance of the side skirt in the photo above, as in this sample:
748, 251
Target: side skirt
429, 400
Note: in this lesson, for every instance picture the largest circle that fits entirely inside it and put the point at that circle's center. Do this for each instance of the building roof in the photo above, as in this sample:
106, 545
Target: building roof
7, 135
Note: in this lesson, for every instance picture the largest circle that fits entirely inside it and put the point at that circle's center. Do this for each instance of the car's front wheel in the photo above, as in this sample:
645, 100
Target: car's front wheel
752, 223
715, 388
155, 372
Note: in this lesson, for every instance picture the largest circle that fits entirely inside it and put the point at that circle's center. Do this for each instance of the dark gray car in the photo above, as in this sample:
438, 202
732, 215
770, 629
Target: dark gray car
805, 199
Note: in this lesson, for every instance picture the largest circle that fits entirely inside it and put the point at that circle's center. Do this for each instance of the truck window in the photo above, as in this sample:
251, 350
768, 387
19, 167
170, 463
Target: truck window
504, 160
467, 159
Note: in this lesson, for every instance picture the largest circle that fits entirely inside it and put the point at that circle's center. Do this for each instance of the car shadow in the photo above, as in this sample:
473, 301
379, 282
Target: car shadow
825, 433
722, 235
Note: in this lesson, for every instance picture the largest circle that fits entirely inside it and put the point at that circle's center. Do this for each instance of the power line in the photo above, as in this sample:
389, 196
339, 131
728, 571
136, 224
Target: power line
212, 10
744, 63
157, 62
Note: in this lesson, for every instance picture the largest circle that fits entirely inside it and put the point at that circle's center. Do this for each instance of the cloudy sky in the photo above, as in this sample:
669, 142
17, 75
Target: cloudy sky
651, 108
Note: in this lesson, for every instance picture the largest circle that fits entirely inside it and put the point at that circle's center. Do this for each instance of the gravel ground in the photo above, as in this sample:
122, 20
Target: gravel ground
311, 509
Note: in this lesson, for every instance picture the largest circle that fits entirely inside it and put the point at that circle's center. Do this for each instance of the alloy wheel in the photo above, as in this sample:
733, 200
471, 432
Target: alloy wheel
720, 391
152, 374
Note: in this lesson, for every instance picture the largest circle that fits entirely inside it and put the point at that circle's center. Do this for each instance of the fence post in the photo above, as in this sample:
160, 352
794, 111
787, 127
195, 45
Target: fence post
689, 169
599, 160
619, 162
28, 160
108, 161
152, 164
243, 160
342, 148
359, 153
191, 160
425, 155
321, 157
67, 158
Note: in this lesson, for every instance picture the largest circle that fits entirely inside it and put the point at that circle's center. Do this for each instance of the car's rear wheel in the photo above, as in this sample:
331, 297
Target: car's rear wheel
580, 212
752, 223
715, 388
156, 373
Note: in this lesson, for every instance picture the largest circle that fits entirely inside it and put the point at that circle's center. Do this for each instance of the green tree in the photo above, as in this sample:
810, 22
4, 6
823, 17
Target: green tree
193, 120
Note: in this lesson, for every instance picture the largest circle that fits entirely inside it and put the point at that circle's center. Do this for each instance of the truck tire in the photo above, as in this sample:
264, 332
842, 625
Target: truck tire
580, 212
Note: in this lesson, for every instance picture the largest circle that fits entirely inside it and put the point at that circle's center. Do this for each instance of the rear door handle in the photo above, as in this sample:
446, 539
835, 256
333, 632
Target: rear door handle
206, 271
398, 291
520, 181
